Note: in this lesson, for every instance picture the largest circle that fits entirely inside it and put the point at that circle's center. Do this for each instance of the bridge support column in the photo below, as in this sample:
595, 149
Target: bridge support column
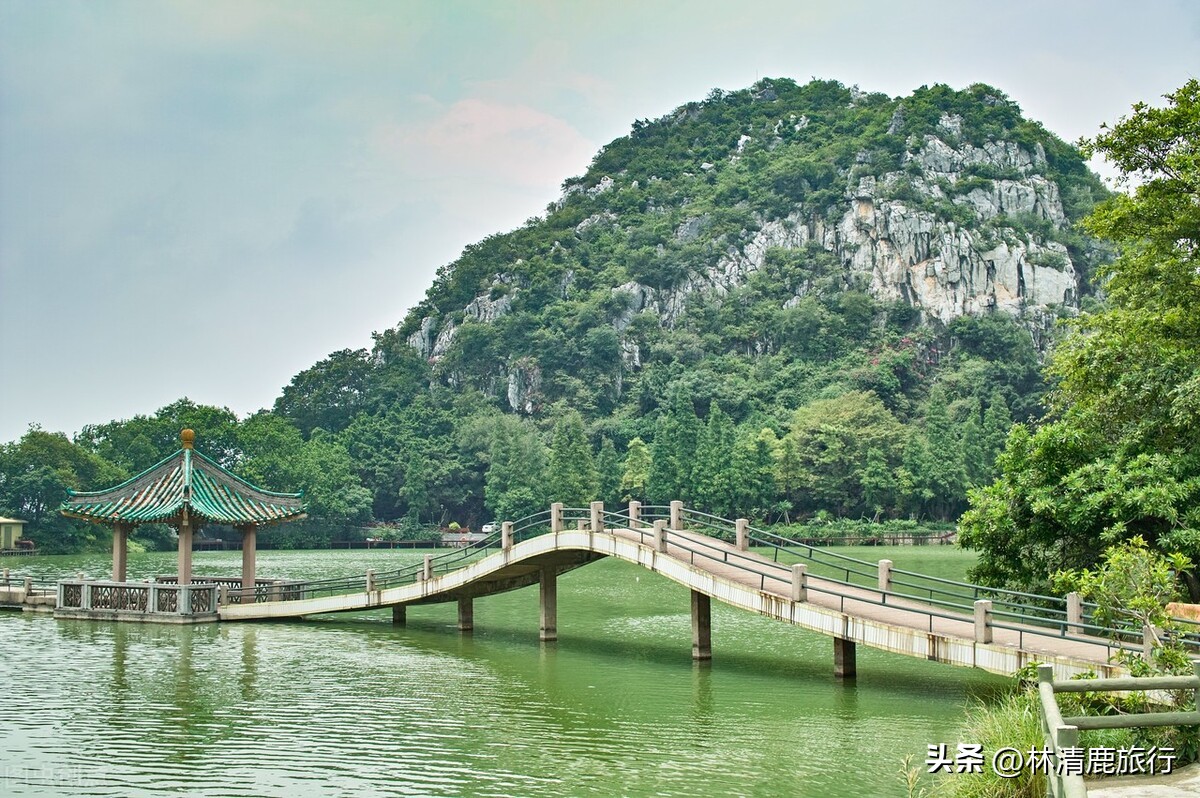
676, 515
597, 516
120, 552
399, 615
506, 535
548, 600
466, 615
701, 626
742, 532
844, 665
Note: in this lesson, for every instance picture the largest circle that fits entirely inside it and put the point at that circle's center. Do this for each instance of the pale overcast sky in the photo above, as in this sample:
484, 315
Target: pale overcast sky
203, 198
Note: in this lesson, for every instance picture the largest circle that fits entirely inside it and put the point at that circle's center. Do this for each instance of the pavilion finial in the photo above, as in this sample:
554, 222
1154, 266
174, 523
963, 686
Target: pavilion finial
188, 437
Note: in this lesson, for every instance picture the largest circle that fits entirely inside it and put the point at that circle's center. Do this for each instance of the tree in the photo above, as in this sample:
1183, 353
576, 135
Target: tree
636, 474
516, 481
831, 439
572, 477
608, 471
1122, 457
713, 475
329, 394
35, 473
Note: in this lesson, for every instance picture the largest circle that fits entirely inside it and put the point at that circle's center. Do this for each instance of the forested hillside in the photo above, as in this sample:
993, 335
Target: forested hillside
784, 302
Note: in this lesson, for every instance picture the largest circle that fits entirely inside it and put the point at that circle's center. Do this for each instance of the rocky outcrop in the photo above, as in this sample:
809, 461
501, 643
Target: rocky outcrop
900, 234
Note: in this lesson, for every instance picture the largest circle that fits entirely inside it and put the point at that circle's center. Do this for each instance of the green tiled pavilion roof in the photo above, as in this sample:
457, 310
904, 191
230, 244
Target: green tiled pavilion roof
186, 479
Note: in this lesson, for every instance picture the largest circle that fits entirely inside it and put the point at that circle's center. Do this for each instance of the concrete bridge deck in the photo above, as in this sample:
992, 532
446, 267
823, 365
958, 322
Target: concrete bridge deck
729, 572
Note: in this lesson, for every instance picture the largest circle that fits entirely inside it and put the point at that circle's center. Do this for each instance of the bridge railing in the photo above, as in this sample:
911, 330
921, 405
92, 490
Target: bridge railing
1023, 613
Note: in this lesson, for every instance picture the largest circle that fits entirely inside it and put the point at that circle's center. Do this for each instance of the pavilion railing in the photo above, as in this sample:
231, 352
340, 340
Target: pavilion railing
144, 598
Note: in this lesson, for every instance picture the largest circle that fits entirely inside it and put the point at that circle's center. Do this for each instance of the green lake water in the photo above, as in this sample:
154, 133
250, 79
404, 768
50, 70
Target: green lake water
350, 705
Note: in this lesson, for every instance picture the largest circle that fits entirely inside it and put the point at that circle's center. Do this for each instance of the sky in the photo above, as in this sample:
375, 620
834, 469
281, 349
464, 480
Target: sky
202, 199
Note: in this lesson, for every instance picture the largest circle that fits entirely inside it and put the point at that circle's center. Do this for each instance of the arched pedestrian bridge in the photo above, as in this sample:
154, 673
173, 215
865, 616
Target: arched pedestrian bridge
848, 599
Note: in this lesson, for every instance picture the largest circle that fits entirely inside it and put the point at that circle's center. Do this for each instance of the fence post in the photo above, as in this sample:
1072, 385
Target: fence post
556, 517
983, 621
427, 570
597, 518
506, 535
6, 577
222, 595
1075, 611
85, 595
799, 582
885, 576
184, 603
741, 531
677, 515
660, 535
635, 514
28, 587
370, 581
1196, 692
152, 597
1147, 641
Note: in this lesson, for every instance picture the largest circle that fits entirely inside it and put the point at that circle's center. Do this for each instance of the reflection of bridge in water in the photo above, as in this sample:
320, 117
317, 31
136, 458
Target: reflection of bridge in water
848, 599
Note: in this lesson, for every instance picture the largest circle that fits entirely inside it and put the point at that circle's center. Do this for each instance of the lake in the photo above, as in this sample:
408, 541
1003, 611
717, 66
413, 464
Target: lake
350, 705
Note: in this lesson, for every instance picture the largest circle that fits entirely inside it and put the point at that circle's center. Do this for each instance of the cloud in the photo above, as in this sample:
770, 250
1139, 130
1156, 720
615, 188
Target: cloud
494, 142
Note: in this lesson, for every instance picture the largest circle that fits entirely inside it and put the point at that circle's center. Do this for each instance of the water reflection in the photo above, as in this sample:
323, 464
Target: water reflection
352, 705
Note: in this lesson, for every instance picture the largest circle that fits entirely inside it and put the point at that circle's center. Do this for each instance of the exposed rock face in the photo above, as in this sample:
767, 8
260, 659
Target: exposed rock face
900, 235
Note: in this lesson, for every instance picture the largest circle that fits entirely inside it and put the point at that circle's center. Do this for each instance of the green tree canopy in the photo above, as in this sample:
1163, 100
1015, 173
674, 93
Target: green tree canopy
1122, 456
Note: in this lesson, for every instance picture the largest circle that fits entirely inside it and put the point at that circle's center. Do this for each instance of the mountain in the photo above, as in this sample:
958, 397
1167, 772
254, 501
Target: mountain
780, 221
784, 302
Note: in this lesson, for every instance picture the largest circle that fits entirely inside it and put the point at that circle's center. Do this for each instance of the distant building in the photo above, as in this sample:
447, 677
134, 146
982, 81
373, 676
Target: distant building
10, 532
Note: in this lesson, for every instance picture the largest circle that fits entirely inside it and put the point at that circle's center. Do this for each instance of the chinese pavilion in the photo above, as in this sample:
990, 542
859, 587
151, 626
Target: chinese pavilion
186, 490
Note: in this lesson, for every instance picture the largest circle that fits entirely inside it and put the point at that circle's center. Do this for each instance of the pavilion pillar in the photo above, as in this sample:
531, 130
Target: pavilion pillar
185, 549
120, 550
249, 558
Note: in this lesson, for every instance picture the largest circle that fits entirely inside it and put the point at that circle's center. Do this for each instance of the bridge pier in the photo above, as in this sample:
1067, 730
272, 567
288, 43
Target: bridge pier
701, 626
466, 615
548, 600
399, 615
844, 666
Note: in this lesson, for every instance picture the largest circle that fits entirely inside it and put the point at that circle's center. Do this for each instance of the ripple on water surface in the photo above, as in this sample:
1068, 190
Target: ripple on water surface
352, 706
